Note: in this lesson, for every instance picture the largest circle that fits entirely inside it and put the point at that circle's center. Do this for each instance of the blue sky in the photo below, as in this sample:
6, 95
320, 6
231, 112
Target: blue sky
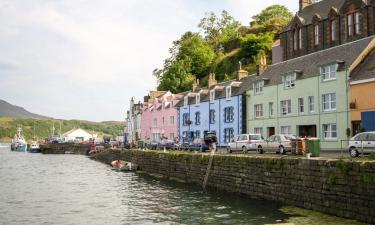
85, 59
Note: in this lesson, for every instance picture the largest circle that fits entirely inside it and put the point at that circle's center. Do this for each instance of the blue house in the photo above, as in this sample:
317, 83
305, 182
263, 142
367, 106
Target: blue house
219, 108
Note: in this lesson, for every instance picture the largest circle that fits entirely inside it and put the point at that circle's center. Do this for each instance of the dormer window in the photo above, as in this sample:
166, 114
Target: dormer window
258, 87
198, 99
297, 39
228, 91
290, 81
186, 101
316, 34
353, 24
212, 96
328, 72
333, 30
357, 23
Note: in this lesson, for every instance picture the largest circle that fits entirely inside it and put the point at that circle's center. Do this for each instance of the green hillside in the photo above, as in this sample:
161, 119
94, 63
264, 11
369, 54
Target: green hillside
43, 128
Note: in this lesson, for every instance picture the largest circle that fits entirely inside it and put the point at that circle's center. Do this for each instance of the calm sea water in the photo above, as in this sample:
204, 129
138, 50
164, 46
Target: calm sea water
69, 189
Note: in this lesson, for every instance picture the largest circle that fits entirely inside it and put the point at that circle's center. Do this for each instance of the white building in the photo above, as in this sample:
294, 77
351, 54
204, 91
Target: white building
78, 134
133, 122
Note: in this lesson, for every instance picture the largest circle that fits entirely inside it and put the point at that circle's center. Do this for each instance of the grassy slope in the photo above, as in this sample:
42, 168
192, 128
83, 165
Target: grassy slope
43, 128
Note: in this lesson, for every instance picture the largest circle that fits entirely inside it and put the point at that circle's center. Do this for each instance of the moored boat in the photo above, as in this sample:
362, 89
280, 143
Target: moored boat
120, 165
34, 147
19, 143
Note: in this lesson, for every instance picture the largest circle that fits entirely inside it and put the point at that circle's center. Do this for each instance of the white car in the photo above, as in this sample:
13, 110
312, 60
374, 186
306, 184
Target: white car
245, 143
282, 143
362, 142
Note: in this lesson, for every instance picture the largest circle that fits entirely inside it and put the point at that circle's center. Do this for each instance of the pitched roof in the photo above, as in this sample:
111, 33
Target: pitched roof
366, 69
309, 65
321, 8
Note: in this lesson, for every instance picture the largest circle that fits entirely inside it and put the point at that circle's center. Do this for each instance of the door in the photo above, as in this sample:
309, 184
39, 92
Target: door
271, 131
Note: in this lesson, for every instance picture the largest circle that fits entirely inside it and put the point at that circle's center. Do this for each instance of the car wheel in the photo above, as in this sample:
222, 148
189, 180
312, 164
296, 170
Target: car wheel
282, 150
260, 150
244, 149
353, 152
229, 150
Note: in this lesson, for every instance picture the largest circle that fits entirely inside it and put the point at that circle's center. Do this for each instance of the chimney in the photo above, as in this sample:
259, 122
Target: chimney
146, 98
241, 74
262, 64
195, 85
212, 80
303, 4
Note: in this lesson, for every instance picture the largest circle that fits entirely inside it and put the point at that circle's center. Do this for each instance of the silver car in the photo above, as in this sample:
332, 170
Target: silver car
245, 143
362, 142
281, 143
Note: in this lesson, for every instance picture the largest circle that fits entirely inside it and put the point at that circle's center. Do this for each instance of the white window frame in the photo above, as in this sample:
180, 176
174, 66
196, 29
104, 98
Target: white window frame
300, 38
186, 99
328, 72
212, 96
295, 40
258, 110
198, 98
329, 100
333, 30
311, 102
301, 106
316, 34
258, 87
290, 81
357, 23
258, 130
329, 131
171, 120
349, 27
155, 122
287, 105
228, 92
271, 111
285, 130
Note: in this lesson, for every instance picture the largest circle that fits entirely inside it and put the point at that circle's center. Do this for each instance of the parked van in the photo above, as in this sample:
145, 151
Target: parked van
245, 143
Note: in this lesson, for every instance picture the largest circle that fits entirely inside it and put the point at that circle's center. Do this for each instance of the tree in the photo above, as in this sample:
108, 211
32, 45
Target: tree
252, 45
272, 19
219, 31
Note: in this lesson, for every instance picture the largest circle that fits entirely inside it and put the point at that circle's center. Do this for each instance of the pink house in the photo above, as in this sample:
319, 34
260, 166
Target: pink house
159, 116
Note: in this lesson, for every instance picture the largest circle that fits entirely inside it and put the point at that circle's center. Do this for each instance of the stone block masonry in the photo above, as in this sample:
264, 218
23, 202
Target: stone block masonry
341, 188
66, 148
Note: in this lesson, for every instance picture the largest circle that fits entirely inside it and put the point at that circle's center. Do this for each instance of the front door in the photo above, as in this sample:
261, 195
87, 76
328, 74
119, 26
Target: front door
271, 131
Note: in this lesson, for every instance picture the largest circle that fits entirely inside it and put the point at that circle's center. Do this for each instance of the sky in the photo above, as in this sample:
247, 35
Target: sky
85, 59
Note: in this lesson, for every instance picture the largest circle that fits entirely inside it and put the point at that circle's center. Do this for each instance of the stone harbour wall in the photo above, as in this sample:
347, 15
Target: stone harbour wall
341, 188
65, 148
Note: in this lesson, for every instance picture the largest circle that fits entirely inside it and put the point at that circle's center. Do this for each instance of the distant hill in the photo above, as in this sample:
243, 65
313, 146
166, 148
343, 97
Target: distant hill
13, 111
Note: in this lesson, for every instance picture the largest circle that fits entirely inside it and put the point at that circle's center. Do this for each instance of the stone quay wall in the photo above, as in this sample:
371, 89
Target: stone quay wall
341, 188
66, 148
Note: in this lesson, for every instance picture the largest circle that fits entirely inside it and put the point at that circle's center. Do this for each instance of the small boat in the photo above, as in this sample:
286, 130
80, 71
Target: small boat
119, 165
34, 147
19, 143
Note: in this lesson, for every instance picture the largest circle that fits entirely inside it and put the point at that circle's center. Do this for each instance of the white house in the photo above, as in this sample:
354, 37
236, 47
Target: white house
77, 134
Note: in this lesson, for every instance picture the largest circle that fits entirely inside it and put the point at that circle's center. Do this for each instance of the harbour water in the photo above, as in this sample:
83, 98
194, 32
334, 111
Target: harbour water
70, 189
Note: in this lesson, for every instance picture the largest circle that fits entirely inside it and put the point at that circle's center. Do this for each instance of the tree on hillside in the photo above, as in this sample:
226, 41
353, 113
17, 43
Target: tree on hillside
272, 19
191, 58
219, 31
252, 45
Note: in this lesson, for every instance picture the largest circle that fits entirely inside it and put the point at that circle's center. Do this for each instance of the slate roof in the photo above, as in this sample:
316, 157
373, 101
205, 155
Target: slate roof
309, 65
322, 8
365, 70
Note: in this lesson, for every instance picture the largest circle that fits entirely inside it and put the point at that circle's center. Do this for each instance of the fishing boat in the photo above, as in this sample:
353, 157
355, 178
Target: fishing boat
34, 147
119, 165
19, 143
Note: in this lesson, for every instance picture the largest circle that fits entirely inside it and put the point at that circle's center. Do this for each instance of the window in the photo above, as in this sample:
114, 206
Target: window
316, 34
228, 92
258, 110
198, 134
300, 38
258, 130
186, 101
329, 131
212, 96
185, 119
295, 39
285, 130
290, 81
311, 104
329, 102
197, 118
258, 87
286, 107
349, 25
171, 120
301, 106
212, 116
270, 106
328, 72
155, 122
228, 134
171, 136
229, 114
162, 120
198, 99
357, 23
333, 30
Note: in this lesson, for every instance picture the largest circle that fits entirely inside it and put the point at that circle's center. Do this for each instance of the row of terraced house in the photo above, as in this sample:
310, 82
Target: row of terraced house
321, 83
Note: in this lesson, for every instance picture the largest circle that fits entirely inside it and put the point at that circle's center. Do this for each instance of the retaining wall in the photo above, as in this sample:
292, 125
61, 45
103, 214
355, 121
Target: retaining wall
336, 187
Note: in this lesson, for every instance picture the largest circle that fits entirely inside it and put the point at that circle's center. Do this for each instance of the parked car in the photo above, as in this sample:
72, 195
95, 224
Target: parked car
199, 144
362, 142
282, 143
245, 143
165, 143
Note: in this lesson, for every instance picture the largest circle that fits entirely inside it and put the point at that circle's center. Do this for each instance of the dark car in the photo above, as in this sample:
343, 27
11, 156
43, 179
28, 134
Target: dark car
167, 144
199, 144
